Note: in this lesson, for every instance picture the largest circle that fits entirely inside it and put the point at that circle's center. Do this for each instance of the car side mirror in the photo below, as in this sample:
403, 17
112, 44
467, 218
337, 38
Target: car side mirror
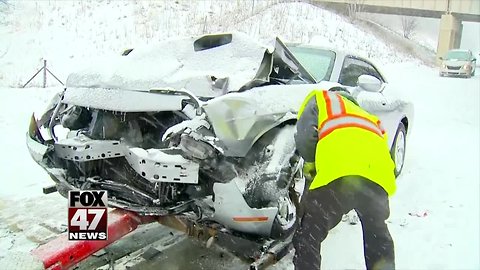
369, 83
127, 52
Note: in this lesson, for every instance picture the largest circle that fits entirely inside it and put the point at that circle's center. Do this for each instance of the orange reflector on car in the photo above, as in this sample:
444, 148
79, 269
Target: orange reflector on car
250, 219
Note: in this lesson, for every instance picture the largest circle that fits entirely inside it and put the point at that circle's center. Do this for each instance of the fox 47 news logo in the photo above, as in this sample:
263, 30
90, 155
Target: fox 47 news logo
87, 215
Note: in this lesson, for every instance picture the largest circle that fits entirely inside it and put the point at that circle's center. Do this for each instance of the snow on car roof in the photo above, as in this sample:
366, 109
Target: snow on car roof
175, 64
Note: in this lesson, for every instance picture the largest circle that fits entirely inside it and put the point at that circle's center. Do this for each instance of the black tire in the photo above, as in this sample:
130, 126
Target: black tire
399, 135
473, 73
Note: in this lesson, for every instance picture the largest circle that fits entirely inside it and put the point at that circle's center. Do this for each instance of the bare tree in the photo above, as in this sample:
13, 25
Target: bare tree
409, 26
354, 7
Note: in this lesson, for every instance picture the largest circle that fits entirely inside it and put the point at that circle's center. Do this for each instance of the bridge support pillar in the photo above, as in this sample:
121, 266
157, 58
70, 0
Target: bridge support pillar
450, 34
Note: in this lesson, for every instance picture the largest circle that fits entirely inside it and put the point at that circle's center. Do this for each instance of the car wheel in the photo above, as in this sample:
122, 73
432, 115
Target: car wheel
473, 73
398, 148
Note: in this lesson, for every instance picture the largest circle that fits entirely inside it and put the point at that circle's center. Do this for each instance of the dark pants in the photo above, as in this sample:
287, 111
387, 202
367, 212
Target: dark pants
323, 209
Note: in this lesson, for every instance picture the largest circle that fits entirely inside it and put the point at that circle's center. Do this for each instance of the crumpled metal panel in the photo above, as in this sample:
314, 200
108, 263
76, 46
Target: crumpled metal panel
232, 211
239, 119
238, 123
82, 148
157, 166
153, 164
36, 149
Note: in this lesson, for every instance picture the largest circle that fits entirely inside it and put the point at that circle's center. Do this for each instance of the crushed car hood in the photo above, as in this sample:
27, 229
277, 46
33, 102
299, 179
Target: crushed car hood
178, 64
207, 66
121, 100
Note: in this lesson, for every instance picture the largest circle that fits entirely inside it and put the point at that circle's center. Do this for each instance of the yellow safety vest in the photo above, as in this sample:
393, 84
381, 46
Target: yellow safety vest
350, 142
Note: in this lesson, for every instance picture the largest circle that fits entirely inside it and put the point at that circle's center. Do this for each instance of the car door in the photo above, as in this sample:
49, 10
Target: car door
352, 68
378, 103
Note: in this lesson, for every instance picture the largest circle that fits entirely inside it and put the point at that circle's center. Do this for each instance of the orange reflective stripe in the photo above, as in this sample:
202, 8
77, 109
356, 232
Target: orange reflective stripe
328, 103
342, 105
379, 124
334, 103
250, 219
337, 117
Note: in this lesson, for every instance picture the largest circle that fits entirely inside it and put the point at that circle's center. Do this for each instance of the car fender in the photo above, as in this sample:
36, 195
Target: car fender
240, 119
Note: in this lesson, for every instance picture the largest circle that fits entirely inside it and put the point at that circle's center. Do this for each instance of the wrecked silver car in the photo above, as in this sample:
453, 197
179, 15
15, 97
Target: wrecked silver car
201, 127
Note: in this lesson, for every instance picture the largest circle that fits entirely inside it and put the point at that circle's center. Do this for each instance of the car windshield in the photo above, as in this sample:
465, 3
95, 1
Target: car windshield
458, 55
318, 62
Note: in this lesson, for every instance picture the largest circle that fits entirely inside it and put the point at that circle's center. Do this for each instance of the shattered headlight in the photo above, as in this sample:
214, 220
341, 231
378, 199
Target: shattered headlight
76, 118
196, 148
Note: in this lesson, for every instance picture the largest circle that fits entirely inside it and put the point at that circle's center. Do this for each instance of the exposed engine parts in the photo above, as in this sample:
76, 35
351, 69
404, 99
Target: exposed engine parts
162, 163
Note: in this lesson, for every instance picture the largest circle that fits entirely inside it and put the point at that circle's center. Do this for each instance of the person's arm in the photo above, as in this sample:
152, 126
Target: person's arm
307, 131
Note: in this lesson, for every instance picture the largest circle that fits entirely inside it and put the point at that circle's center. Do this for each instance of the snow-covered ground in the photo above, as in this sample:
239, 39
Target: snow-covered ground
435, 212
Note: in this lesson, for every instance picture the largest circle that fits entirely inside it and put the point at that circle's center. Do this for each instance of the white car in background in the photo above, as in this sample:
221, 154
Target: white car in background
368, 86
458, 63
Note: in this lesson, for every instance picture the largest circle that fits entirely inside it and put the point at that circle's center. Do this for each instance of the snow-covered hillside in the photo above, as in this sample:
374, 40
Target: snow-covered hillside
69, 34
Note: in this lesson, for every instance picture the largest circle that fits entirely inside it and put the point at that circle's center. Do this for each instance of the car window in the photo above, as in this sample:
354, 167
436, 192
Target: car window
458, 55
318, 62
353, 68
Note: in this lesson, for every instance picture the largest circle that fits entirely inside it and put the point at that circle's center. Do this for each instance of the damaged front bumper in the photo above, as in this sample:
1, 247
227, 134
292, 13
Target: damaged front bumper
153, 165
156, 166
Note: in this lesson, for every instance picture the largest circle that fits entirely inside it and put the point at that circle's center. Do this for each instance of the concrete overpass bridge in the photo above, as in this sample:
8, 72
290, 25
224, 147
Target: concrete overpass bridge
450, 12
